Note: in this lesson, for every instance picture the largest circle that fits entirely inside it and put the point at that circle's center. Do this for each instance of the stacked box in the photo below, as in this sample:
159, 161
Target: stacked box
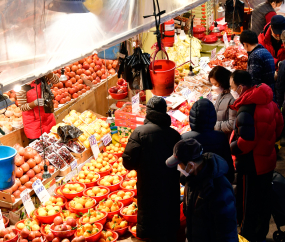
204, 14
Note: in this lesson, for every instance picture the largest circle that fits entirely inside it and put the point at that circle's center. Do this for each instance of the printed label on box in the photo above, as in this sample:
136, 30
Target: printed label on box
94, 146
41, 191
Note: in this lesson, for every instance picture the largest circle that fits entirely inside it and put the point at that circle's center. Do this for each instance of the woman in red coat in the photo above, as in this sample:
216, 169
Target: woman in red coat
31, 102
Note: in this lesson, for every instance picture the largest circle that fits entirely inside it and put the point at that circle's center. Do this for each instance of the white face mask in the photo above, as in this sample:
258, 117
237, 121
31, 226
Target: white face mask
217, 90
184, 172
235, 94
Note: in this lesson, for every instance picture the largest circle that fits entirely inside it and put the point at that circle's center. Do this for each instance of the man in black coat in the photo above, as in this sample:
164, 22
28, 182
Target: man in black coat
202, 120
158, 189
209, 201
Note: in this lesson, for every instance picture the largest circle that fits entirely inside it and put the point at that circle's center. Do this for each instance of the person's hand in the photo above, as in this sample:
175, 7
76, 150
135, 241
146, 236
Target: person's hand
39, 102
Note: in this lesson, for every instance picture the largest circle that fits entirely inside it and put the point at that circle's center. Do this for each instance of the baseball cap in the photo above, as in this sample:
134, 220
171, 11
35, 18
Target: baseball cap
278, 24
158, 104
185, 151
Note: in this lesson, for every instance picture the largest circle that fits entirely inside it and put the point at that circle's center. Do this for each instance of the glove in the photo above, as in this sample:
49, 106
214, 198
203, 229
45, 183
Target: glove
39, 102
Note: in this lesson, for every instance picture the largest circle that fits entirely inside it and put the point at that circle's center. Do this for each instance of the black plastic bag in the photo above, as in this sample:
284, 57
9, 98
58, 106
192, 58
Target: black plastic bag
47, 96
122, 57
136, 70
67, 133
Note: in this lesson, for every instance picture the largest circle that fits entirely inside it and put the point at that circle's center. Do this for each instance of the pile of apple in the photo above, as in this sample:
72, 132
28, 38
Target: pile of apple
122, 87
30, 236
29, 168
12, 96
6, 234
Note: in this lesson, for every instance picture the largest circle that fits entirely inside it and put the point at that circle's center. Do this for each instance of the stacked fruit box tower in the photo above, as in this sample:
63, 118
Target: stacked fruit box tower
204, 14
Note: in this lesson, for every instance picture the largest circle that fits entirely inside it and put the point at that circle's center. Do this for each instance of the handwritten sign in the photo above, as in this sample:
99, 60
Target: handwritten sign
213, 53
94, 146
186, 92
106, 139
225, 38
177, 115
2, 226
41, 191
73, 164
136, 103
27, 201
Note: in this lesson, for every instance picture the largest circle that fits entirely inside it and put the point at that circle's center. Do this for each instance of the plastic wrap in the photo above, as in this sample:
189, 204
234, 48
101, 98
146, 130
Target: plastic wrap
35, 40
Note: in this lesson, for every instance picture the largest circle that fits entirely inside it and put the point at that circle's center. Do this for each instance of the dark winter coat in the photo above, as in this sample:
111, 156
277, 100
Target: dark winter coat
225, 116
264, 38
202, 119
258, 126
158, 189
280, 85
261, 67
209, 203
258, 20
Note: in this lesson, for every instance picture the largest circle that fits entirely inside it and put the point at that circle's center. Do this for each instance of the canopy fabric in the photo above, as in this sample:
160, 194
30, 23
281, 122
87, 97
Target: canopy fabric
35, 40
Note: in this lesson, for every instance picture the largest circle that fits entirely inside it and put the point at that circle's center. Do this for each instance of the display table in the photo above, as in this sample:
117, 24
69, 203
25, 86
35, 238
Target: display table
207, 48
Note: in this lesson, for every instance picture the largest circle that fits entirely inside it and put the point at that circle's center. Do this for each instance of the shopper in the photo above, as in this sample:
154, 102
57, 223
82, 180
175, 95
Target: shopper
280, 89
262, 14
260, 64
203, 119
31, 102
158, 189
209, 201
258, 126
270, 38
219, 77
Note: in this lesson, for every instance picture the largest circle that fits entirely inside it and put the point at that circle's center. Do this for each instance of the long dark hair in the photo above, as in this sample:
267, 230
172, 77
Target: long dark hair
221, 75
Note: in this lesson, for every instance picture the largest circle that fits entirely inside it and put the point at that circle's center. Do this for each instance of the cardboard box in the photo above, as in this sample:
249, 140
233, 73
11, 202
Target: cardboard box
138, 118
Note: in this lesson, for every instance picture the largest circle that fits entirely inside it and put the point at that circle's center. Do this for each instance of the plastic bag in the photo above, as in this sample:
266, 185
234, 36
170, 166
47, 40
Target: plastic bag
68, 132
238, 10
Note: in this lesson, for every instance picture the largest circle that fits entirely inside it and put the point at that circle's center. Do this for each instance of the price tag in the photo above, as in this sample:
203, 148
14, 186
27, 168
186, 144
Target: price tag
106, 139
177, 115
206, 68
94, 146
41, 191
27, 201
2, 226
136, 103
186, 92
213, 53
225, 38
73, 164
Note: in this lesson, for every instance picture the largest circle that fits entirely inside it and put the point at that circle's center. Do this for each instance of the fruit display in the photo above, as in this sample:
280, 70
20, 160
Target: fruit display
8, 234
11, 119
109, 206
126, 113
48, 210
86, 177
88, 230
108, 236
82, 202
134, 229
115, 149
74, 146
63, 229
72, 189
108, 181
124, 197
101, 166
110, 158
68, 214
55, 201
132, 175
124, 141
129, 184
93, 216
30, 224
232, 57
56, 160
12, 96
97, 191
117, 223
118, 169
120, 91
132, 209
27, 235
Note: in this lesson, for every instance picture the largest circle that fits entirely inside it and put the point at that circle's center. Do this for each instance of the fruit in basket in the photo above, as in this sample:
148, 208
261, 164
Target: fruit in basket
106, 236
96, 192
132, 209
118, 169
131, 184
99, 165
87, 230
108, 206
82, 202
47, 229
92, 216
67, 214
125, 140
29, 224
59, 201
107, 157
132, 174
120, 195
110, 180
117, 223
6, 234
86, 177
72, 188
114, 149
134, 229
48, 210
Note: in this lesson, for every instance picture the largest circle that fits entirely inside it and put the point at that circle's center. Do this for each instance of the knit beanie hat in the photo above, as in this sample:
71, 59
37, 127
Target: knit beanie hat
157, 103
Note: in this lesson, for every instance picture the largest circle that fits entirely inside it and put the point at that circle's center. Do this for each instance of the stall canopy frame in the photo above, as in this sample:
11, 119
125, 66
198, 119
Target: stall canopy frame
35, 40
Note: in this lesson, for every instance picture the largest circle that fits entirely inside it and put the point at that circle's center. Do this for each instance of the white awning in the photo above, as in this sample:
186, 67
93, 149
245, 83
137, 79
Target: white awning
35, 40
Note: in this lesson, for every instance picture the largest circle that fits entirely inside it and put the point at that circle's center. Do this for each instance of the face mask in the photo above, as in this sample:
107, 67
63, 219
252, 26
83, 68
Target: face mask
277, 9
184, 172
217, 90
235, 93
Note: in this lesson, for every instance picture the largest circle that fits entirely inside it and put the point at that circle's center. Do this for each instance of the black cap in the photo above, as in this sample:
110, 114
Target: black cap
185, 151
278, 24
158, 104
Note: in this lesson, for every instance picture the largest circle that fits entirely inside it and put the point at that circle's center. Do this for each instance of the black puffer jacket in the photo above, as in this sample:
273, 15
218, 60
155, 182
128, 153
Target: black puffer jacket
158, 187
209, 203
203, 118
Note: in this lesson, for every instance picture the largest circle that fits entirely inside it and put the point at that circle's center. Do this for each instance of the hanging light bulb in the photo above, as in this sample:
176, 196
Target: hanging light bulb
62, 77
68, 6
216, 29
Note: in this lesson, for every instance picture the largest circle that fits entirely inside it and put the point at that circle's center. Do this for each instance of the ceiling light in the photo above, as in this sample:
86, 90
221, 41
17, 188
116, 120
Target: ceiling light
68, 6
62, 77
17, 88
